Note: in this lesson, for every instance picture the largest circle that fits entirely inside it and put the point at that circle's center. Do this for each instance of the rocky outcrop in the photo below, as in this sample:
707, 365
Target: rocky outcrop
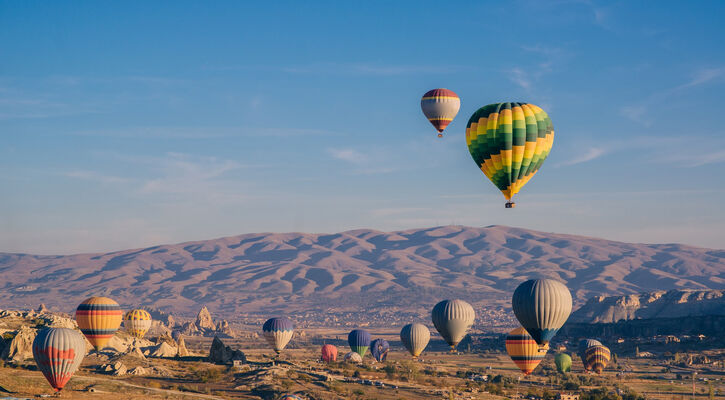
204, 322
116, 368
204, 326
181, 349
162, 350
121, 343
221, 354
19, 347
223, 329
653, 305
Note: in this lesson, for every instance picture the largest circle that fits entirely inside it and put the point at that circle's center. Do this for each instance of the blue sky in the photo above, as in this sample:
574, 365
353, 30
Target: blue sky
137, 123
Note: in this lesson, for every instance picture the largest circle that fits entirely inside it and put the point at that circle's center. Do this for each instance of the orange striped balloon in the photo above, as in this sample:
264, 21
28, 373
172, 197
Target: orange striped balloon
137, 322
99, 318
524, 351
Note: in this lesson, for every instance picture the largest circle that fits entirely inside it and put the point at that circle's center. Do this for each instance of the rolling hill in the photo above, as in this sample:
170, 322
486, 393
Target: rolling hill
355, 270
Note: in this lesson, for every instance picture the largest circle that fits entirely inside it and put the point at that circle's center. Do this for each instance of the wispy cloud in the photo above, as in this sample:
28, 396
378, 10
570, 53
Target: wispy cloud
350, 155
591, 154
519, 77
638, 112
525, 76
703, 76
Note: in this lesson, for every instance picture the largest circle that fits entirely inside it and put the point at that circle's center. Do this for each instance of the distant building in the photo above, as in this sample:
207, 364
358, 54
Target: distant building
620, 340
567, 396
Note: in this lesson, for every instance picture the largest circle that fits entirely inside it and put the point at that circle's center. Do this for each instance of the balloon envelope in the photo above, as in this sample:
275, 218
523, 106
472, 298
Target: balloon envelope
524, 351
58, 352
563, 362
137, 322
542, 306
353, 357
99, 318
440, 106
584, 344
509, 142
415, 338
379, 349
597, 358
359, 341
329, 353
452, 319
278, 332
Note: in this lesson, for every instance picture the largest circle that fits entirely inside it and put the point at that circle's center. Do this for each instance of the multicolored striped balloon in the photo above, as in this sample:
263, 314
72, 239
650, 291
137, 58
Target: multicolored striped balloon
584, 344
597, 358
137, 322
440, 106
58, 352
99, 318
524, 351
509, 142
278, 332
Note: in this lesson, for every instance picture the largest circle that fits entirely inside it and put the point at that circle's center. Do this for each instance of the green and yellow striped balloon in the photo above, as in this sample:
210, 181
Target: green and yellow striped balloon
509, 142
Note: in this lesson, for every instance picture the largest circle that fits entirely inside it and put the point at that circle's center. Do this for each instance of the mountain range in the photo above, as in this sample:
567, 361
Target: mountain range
355, 270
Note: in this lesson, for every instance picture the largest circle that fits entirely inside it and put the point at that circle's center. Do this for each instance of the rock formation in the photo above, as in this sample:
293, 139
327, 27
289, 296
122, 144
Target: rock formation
163, 350
221, 354
204, 322
182, 351
20, 346
659, 304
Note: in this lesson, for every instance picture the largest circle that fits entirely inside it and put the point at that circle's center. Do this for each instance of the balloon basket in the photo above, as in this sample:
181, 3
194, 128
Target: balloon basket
510, 204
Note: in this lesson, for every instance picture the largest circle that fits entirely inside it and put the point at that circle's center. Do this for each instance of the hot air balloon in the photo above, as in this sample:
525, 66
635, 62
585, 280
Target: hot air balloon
452, 319
278, 332
99, 318
359, 341
597, 358
509, 142
584, 344
329, 353
379, 349
58, 352
524, 351
542, 306
440, 106
353, 357
563, 362
415, 338
290, 397
137, 322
